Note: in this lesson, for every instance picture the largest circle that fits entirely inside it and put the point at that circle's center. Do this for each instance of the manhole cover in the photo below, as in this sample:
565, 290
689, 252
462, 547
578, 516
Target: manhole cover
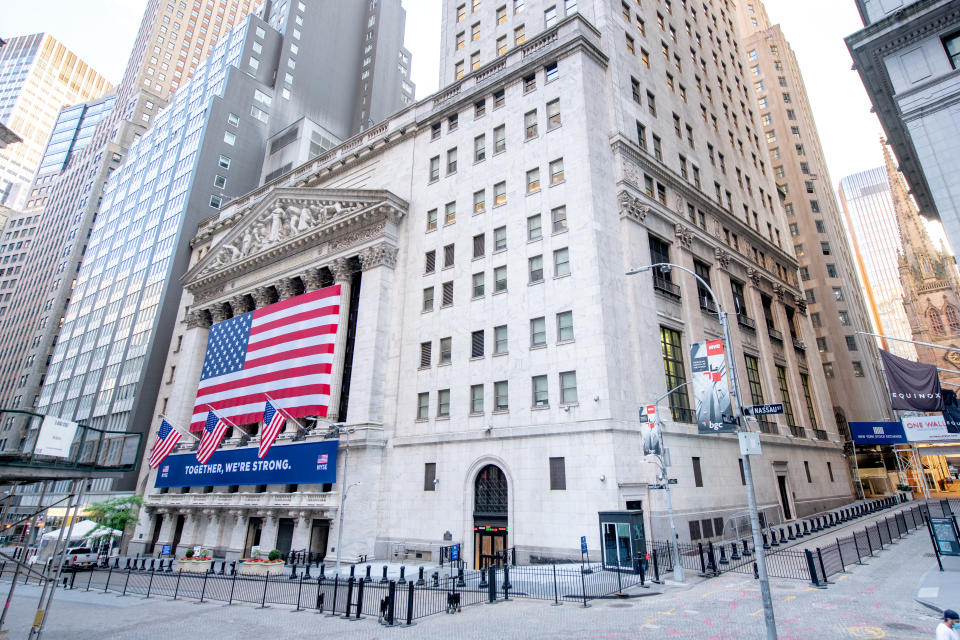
621, 606
899, 626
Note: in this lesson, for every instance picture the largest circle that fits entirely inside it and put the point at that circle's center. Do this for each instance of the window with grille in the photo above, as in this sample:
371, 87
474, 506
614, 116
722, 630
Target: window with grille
447, 294
558, 474
694, 529
426, 352
697, 475
671, 347
448, 255
540, 397
430, 262
476, 344
479, 245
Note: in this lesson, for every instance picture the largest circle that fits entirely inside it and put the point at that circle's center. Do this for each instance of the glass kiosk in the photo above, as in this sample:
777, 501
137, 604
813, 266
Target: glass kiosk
622, 539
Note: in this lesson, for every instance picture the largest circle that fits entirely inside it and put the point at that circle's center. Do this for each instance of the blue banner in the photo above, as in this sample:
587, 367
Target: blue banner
877, 433
303, 463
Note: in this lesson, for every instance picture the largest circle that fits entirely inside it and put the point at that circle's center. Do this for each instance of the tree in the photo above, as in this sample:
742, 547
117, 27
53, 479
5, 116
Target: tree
113, 514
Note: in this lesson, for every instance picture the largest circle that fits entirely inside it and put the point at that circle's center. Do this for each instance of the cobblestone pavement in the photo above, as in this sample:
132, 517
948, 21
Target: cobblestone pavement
871, 601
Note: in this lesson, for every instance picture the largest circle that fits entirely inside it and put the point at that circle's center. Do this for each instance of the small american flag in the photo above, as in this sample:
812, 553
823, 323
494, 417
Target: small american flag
273, 422
167, 439
213, 431
322, 459
284, 350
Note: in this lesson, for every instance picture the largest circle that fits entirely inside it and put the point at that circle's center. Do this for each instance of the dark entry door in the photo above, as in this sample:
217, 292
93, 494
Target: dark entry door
489, 543
285, 535
157, 523
177, 532
490, 517
318, 537
784, 497
254, 526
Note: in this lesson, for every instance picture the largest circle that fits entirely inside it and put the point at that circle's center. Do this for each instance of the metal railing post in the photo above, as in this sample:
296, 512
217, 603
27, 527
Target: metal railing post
410, 603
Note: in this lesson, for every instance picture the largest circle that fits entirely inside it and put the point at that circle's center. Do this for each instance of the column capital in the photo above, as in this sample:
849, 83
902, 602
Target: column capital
197, 319
218, 313
285, 288
239, 304
311, 279
261, 297
379, 255
340, 268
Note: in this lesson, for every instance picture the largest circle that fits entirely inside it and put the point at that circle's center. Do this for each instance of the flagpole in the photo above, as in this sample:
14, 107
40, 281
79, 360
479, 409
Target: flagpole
229, 421
178, 430
283, 411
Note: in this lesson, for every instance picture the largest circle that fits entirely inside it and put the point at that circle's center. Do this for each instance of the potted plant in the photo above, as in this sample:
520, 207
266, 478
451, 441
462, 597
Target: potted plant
257, 565
195, 562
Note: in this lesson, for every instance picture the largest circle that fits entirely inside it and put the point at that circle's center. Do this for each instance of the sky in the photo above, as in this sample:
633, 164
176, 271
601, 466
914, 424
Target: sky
102, 32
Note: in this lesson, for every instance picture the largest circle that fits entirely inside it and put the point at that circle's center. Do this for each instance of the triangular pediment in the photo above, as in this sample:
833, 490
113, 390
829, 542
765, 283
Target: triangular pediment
287, 220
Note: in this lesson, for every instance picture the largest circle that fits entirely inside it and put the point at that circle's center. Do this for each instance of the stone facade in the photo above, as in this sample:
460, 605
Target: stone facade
497, 352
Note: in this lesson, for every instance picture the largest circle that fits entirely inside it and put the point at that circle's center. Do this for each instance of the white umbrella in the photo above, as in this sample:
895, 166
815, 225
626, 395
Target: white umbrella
81, 530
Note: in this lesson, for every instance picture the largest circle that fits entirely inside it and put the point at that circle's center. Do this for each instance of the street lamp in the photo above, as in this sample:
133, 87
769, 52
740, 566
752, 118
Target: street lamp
337, 430
677, 565
771, 624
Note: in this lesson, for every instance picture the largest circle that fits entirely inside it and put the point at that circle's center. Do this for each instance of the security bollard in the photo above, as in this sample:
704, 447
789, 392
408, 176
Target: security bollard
711, 557
306, 572
506, 581
420, 581
773, 538
723, 556
152, 564
410, 604
116, 562
783, 538
790, 534
383, 579
367, 578
391, 597
483, 579
490, 575
323, 573
128, 564
703, 563
293, 572
223, 567
346, 607
359, 608
734, 552
436, 578
403, 578
806, 529
353, 570
746, 549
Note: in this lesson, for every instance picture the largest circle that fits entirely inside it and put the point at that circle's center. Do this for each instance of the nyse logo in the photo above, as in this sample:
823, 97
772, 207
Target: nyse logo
164, 471
322, 462
878, 431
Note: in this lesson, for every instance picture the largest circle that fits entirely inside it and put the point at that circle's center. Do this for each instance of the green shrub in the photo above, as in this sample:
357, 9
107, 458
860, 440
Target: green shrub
274, 555
189, 553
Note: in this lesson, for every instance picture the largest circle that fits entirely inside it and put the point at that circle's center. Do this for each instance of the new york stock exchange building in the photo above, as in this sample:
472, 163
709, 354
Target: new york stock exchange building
490, 354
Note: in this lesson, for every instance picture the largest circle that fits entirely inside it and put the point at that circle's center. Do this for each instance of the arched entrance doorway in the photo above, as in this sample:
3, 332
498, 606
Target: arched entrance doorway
490, 533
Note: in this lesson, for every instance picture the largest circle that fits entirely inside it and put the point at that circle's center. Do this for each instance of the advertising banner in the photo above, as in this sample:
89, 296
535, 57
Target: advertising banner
913, 386
951, 411
928, 429
651, 430
304, 463
877, 433
710, 391
55, 437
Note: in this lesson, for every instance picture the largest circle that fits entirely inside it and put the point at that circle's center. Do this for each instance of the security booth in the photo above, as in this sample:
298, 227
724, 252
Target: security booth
622, 538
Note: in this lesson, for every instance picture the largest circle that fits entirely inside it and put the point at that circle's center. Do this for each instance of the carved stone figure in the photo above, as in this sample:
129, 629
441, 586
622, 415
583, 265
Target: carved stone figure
723, 258
631, 207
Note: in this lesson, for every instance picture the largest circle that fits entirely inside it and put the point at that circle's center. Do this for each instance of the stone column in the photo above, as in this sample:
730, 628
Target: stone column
167, 525
373, 314
341, 276
211, 536
240, 305
268, 534
182, 391
285, 288
311, 279
261, 297
238, 534
301, 531
188, 536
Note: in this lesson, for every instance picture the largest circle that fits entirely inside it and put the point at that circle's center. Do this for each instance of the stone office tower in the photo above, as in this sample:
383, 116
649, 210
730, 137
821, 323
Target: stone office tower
827, 267
484, 233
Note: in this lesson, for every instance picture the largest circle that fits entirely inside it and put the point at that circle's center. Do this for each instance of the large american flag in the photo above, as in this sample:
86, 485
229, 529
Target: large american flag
284, 350
213, 431
167, 439
272, 424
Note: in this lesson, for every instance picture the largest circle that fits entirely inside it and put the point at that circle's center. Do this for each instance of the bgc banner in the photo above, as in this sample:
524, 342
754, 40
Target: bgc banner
305, 463
710, 390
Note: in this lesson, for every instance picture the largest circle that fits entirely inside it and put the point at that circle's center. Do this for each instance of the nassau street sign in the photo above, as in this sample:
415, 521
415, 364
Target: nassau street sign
763, 409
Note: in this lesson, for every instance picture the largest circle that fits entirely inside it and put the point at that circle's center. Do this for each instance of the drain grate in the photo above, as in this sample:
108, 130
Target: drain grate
899, 626
623, 605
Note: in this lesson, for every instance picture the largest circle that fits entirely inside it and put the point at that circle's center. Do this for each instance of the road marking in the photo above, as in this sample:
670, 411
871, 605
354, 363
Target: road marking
928, 592
867, 632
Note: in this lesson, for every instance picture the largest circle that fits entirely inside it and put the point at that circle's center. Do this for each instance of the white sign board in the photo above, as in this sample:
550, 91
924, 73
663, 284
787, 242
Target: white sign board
928, 429
749, 443
55, 438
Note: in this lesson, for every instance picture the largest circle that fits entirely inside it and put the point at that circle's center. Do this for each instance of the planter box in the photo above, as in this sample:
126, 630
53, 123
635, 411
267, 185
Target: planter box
194, 566
261, 568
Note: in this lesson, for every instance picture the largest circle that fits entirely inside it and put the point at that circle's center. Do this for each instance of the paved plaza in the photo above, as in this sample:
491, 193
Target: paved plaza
874, 600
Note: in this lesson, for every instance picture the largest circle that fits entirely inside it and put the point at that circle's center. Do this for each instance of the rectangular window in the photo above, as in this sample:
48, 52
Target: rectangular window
447, 294
530, 124
449, 254
219, 182
499, 139
671, 347
479, 108
533, 180
534, 230
451, 161
434, 168
501, 45
479, 245
806, 469
519, 36
430, 476
215, 202
450, 213
430, 262
556, 171
426, 353
479, 201
539, 389
808, 398
568, 387
830, 470
500, 239
476, 398
480, 148
499, 194
500, 345
558, 218
697, 474
423, 406
500, 279
478, 285
538, 332
951, 44
535, 269
558, 474
446, 350
785, 396
428, 299
553, 114
565, 326
561, 263
501, 400
753, 377
476, 344
224, 162
443, 403
431, 219
743, 478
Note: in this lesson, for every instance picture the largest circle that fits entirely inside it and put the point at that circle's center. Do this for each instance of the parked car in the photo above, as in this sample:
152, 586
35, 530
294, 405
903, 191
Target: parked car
77, 558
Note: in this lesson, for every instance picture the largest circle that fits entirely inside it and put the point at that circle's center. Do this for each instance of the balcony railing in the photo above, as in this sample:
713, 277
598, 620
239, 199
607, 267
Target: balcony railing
682, 414
819, 434
707, 304
746, 322
262, 500
797, 432
799, 345
776, 335
767, 426
664, 286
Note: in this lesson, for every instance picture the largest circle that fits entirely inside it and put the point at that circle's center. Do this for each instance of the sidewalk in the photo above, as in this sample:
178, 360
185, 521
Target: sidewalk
937, 589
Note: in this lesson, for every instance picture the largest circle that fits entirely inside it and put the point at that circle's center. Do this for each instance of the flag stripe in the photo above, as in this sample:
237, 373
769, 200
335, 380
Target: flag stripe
254, 412
231, 407
312, 332
292, 373
301, 355
272, 322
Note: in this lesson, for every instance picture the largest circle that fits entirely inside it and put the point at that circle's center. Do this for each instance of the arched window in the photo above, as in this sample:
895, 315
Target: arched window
936, 324
953, 318
490, 492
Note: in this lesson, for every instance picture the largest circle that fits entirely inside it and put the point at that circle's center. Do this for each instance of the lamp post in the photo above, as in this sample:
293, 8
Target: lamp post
677, 566
338, 429
771, 624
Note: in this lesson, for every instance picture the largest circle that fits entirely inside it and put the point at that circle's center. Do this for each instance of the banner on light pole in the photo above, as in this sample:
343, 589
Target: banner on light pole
711, 392
651, 430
